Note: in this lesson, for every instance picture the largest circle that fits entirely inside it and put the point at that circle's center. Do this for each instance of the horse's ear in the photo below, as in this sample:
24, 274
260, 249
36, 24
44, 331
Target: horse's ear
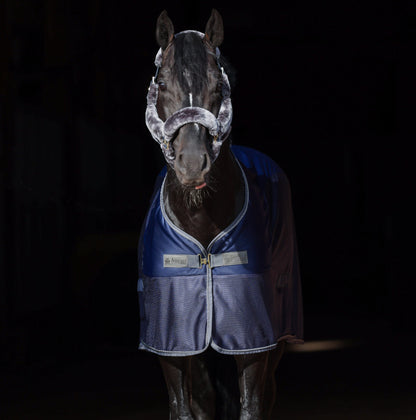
214, 31
164, 30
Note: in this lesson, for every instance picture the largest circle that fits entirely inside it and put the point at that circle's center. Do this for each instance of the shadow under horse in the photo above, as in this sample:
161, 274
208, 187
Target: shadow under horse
218, 266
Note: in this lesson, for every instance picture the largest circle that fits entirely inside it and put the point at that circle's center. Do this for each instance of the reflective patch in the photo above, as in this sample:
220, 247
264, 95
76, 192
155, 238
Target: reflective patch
234, 258
229, 258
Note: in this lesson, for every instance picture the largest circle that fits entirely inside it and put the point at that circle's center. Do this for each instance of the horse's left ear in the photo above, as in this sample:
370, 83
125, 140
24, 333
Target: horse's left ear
214, 30
164, 30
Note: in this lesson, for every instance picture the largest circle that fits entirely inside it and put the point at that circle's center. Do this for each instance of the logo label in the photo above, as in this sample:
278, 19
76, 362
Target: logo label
175, 261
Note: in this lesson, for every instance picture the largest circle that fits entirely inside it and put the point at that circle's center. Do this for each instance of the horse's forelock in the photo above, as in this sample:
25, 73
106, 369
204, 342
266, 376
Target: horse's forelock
191, 61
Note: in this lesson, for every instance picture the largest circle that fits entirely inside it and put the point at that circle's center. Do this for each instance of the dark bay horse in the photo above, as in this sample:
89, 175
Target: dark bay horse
217, 255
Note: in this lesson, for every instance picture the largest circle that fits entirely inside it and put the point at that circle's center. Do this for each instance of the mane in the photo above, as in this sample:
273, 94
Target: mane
230, 70
190, 55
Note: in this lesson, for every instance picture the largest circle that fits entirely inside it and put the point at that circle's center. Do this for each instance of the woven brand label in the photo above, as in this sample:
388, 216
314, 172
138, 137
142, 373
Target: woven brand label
173, 260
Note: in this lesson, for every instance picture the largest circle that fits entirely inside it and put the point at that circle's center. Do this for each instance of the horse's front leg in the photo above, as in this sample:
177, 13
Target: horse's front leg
177, 373
252, 375
270, 390
203, 394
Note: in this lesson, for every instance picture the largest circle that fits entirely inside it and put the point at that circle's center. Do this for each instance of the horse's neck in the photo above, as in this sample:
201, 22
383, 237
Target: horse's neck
219, 208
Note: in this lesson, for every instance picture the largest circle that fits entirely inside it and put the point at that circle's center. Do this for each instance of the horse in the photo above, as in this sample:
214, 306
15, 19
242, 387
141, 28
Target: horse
218, 266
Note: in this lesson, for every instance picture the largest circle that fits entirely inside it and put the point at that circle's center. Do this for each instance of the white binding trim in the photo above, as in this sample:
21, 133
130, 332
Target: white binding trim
244, 351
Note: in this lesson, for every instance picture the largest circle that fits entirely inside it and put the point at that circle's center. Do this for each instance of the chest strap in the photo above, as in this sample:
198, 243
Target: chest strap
198, 261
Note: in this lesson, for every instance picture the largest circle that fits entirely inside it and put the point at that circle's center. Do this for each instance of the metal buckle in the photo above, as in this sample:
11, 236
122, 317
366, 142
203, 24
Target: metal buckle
166, 144
204, 261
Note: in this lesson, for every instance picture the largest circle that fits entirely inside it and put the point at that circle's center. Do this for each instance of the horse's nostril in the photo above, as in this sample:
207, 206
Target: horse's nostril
204, 162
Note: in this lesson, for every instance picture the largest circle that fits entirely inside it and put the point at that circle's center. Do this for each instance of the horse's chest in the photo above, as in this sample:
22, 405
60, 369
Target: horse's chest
203, 232
208, 221
202, 227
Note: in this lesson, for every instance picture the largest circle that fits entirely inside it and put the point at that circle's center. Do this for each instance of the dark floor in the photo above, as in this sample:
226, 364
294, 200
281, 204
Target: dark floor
369, 378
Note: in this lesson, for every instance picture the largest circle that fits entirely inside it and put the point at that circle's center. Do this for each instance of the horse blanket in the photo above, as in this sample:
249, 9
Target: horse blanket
240, 295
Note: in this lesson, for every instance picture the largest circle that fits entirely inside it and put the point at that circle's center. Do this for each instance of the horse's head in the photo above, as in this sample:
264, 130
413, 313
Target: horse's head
189, 111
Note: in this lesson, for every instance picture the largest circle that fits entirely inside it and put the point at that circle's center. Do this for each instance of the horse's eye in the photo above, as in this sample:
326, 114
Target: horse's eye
162, 85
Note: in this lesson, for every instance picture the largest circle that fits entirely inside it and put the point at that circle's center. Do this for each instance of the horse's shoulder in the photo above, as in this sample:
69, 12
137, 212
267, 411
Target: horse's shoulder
262, 164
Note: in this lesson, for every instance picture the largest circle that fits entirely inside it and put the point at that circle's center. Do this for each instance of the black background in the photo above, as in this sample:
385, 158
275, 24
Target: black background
322, 87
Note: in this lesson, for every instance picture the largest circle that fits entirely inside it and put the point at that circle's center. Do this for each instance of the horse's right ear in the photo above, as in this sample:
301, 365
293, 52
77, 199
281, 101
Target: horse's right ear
214, 30
164, 30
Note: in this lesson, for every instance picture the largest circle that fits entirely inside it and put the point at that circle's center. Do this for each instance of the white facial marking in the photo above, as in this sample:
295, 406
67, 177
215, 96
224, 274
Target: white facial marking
190, 99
